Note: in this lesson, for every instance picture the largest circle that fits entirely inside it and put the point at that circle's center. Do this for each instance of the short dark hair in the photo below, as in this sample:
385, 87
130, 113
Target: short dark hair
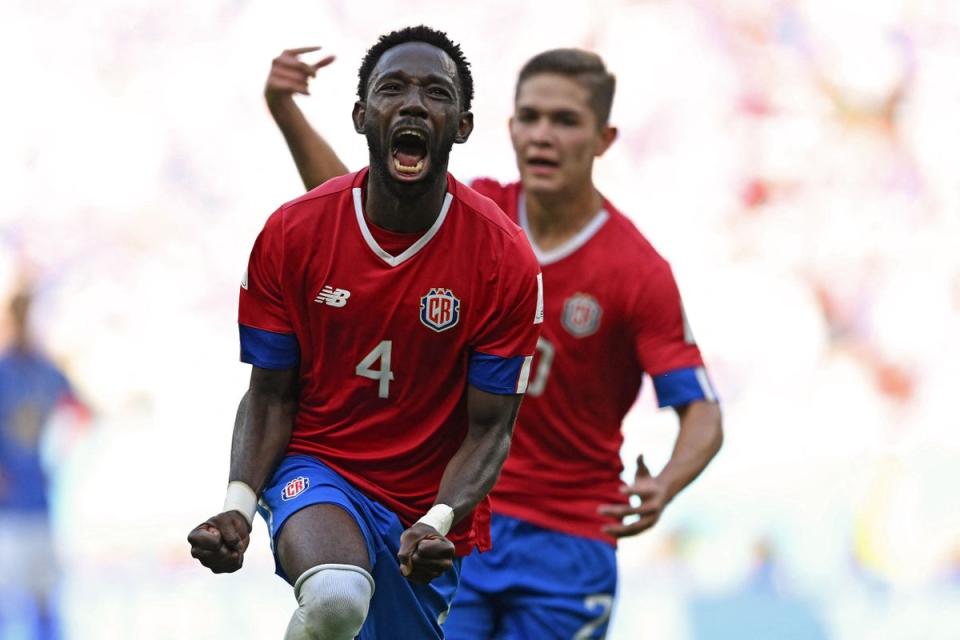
420, 33
585, 67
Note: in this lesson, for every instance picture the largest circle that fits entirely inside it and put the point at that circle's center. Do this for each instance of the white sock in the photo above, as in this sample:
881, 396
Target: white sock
334, 601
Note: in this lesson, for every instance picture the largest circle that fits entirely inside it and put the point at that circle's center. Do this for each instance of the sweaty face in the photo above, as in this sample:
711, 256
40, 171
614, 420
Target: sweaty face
554, 134
412, 115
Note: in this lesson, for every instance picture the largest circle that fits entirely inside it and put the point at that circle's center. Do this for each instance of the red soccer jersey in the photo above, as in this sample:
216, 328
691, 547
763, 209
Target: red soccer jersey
611, 312
387, 344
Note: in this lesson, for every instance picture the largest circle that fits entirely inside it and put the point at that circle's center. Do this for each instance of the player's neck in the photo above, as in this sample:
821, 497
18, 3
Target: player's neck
403, 214
552, 220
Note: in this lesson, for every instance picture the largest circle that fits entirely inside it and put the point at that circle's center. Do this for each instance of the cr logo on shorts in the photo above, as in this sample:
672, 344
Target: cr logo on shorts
295, 487
439, 309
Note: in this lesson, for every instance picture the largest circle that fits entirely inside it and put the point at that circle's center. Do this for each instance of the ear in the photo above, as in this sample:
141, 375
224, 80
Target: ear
605, 138
359, 115
511, 121
464, 127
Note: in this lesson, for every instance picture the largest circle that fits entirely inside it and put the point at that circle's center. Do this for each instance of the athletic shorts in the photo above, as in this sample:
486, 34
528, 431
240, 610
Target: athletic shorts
399, 610
534, 583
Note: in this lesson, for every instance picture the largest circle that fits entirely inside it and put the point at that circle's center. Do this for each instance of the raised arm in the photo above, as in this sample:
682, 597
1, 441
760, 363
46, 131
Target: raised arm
261, 432
469, 476
315, 159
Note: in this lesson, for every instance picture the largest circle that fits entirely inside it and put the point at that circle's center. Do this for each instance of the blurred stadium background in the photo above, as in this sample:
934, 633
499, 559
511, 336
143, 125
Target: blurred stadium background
796, 160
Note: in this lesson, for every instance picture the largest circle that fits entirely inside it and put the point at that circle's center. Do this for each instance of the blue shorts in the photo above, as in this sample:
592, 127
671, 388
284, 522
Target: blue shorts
399, 610
534, 583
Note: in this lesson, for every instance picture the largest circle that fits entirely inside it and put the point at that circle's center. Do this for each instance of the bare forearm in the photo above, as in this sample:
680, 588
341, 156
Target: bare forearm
699, 440
260, 434
474, 469
472, 472
316, 160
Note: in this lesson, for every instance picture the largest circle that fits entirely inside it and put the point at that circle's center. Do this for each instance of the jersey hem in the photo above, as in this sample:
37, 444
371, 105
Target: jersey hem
555, 524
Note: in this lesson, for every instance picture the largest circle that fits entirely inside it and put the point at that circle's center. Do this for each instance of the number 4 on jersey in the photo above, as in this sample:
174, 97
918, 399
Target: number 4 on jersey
382, 353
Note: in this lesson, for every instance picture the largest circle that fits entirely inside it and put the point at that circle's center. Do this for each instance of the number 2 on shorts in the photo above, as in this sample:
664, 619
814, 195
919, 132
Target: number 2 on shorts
602, 602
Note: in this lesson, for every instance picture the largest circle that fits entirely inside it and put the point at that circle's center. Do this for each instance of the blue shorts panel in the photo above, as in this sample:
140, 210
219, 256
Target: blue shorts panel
399, 609
534, 583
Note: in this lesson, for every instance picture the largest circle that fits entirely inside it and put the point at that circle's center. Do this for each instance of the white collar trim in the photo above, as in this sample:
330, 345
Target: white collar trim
410, 251
568, 247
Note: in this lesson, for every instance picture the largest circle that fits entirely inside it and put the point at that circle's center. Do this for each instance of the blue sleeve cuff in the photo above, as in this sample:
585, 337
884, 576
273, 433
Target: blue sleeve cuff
683, 386
503, 376
268, 350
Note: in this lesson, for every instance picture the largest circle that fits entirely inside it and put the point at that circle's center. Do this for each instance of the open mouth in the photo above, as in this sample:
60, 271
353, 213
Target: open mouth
409, 151
542, 165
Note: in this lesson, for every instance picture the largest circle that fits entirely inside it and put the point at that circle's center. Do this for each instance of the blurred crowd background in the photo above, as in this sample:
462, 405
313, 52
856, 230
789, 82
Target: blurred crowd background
795, 160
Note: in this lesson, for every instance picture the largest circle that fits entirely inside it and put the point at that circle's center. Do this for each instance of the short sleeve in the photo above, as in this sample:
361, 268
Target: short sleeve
267, 338
664, 343
503, 348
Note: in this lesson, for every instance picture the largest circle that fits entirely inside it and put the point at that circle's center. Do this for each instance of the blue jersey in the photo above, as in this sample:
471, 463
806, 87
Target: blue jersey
31, 387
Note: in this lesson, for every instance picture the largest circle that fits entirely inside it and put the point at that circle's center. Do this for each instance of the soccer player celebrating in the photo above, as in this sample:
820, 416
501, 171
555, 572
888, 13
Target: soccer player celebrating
612, 312
391, 317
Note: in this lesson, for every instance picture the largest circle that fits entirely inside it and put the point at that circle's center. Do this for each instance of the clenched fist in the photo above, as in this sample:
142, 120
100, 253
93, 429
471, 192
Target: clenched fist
219, 542
424, 554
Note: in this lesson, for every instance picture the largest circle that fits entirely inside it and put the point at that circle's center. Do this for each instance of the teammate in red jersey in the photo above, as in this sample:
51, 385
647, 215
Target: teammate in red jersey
612, 312
391, 318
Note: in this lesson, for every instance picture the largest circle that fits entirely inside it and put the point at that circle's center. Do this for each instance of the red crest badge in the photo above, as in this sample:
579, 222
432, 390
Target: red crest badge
295, 487
439, 309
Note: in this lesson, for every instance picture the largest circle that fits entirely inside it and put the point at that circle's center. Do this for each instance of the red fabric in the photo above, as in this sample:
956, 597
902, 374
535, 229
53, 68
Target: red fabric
392, 242
565, 458
394, 449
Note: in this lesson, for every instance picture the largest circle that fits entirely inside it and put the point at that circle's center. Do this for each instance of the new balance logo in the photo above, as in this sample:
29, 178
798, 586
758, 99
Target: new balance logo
333, 297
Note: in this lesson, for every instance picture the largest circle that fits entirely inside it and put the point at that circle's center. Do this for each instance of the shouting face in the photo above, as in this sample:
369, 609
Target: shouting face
556, 135
412, 116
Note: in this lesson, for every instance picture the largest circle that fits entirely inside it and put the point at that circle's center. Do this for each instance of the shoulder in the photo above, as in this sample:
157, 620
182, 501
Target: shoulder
628, 245
505, 195
646, 282
332, 197
504, 239
327, 196
34, 363
482, 211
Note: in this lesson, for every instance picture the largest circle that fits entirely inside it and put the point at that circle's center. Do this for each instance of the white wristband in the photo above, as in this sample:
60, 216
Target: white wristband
440, 517
240, 497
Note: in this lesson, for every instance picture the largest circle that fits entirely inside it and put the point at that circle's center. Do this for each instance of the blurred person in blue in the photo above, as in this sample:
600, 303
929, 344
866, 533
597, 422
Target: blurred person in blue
32, 390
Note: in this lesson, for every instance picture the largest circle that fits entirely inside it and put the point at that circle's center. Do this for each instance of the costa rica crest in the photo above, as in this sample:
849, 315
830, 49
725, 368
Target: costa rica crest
439, 309
295, 487
581, 315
